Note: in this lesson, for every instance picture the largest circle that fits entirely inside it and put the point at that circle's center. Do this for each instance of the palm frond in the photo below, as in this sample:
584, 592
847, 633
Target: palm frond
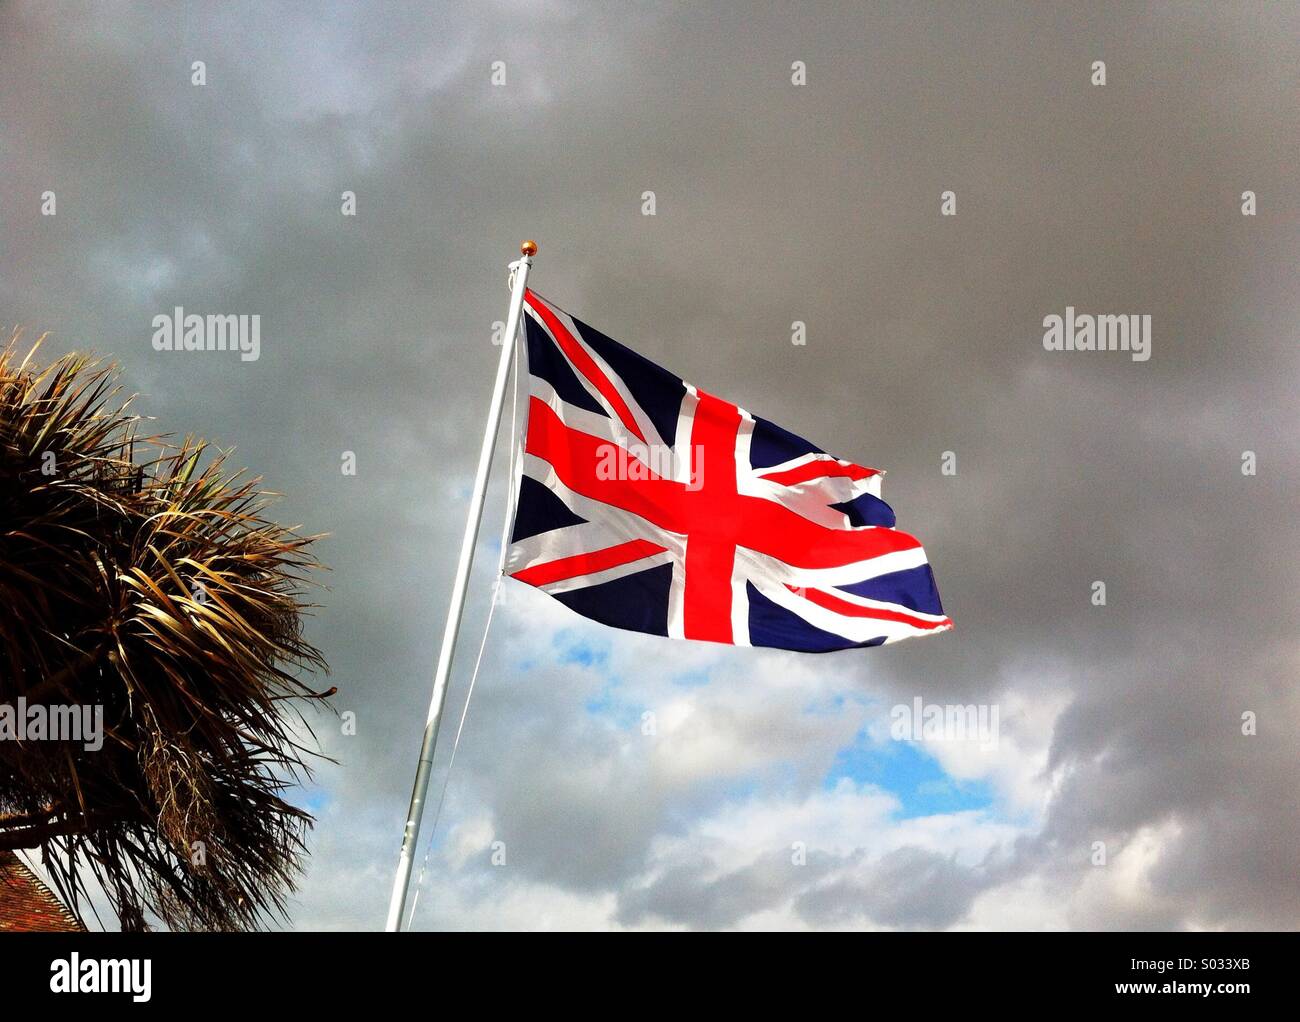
141, 576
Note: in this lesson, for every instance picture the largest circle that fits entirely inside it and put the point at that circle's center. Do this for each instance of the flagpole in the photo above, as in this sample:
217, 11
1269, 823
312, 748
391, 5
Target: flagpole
459, 587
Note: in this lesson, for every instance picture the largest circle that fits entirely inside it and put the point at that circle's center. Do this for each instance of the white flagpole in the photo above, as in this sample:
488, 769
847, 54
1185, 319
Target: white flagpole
458, 589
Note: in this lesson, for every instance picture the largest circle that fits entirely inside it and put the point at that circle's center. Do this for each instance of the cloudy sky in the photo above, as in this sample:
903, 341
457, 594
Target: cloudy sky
770, 793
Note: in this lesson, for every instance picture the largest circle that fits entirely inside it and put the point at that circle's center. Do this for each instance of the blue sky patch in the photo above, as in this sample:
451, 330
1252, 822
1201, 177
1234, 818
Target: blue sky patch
574, 648
910, 774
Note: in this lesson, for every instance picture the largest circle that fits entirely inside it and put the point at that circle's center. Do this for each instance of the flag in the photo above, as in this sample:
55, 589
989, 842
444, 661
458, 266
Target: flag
648, 504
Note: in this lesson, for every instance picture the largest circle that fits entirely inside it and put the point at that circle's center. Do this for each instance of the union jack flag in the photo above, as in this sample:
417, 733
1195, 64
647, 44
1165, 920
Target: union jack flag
648, 504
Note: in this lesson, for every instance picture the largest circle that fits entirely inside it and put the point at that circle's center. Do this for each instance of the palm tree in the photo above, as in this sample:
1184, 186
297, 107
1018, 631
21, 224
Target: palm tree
138, 576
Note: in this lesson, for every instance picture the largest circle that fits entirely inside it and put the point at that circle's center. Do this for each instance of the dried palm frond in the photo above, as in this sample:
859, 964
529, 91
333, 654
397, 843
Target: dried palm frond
137, 575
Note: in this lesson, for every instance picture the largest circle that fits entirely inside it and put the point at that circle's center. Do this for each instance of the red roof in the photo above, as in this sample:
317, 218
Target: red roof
26, 904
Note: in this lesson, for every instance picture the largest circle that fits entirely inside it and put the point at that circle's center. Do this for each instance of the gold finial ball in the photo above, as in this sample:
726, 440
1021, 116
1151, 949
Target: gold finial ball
528, 248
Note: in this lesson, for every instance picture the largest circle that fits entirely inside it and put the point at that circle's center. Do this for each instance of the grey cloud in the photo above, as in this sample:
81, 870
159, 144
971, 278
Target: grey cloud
906, 888
701, 894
